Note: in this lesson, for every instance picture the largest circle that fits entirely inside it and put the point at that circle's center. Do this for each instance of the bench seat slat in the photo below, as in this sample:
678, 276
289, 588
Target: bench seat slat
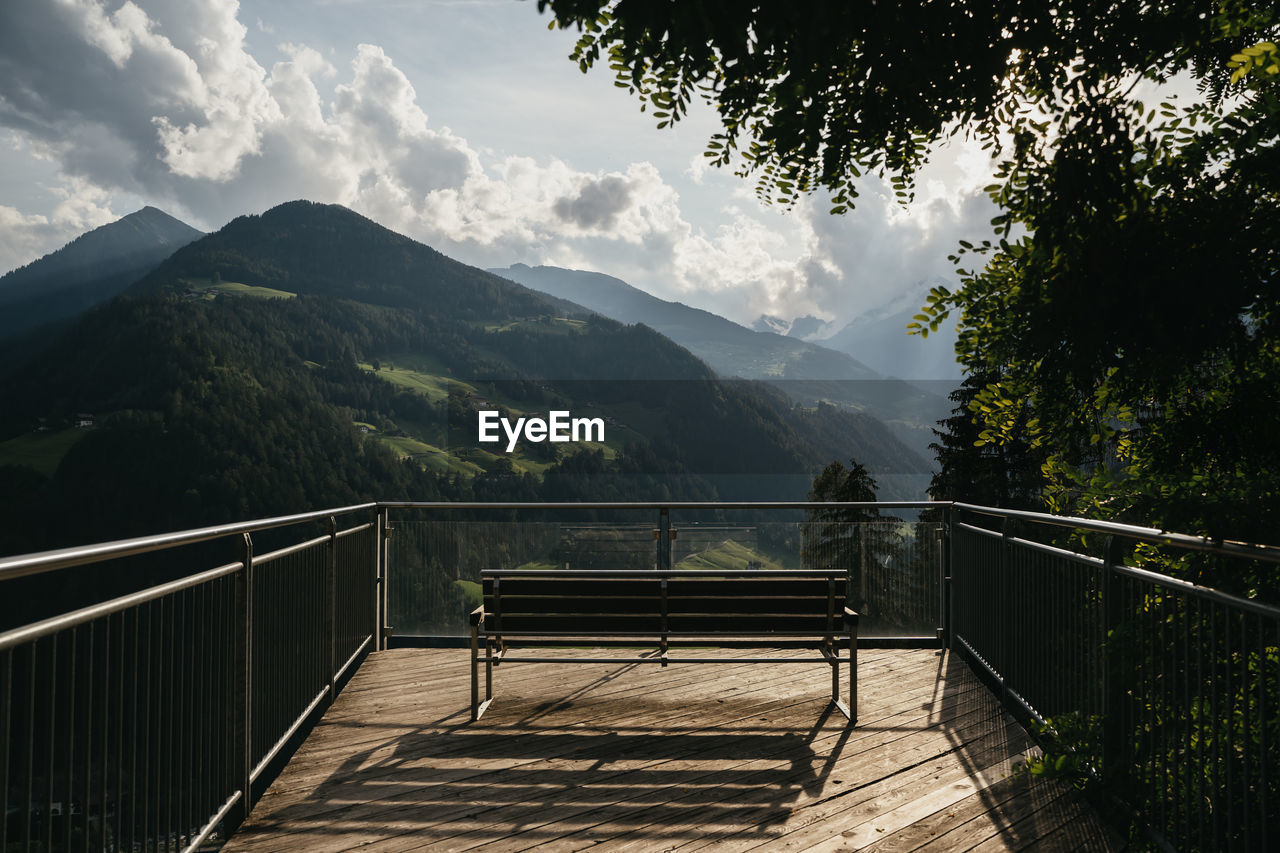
676, 587
678, 623
522, 605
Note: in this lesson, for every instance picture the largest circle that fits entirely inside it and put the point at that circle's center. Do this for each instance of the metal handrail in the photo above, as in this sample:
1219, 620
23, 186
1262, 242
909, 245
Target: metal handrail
1245, 550
665, 505
23, 565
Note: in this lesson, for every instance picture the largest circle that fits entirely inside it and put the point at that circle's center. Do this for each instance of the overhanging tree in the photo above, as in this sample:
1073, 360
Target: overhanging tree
1127, 295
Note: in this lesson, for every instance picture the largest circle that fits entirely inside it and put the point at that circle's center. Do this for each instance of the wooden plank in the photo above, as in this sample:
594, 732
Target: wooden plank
963, 825
755, 773
504, 780
630, 758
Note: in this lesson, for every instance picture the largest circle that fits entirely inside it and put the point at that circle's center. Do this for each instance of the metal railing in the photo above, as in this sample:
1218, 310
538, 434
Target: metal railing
150, 718
1166, 692
894, 560
145, 721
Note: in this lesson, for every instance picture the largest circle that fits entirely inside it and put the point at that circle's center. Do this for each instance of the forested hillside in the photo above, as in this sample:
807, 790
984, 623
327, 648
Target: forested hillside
242, 379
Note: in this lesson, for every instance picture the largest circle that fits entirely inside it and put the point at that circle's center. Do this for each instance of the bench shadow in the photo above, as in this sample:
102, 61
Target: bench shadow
567, 767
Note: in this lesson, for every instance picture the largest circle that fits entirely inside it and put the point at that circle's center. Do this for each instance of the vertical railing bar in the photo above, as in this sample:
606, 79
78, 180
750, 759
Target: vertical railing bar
172, 826
29, 787
1200, 722
243, 672
6, 725
200, 803
220, 785
1184, 710
149, 649
1166, 703
1245, 731
186, 775
1229, 718
68, 783
331, 607
1264, 758
161, 718
29, 798
126, 831
172, 694
88, 740
1112, 608
1213, 718
52, 719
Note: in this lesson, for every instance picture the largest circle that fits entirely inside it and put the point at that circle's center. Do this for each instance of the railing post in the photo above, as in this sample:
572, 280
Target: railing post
1001, 615
664, 538
331, 607
242, 745
384, 578
945, 556
375, 578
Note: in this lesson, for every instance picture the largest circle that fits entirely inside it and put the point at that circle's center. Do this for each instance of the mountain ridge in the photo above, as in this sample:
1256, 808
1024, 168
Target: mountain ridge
729, 348
90, 269
210, 404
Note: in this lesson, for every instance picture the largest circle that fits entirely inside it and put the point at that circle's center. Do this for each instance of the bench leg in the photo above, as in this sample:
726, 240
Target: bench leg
853, 676
475, 673
489, 664
477, 707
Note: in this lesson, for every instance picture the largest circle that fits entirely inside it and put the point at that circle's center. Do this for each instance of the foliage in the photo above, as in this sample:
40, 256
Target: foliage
1068, 743
814, 95
1124, 309
1004, 474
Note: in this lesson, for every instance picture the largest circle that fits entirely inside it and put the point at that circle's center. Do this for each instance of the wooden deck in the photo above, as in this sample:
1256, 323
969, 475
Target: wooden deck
737, 756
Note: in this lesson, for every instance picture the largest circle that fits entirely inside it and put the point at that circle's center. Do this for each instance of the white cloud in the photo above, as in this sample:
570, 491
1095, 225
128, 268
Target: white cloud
80, 208
163, 100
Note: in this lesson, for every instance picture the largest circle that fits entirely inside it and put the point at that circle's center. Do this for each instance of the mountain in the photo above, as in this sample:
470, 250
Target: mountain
730, 349
89, 270
806, 328
808, 373
880, 340
770, 323
308, 357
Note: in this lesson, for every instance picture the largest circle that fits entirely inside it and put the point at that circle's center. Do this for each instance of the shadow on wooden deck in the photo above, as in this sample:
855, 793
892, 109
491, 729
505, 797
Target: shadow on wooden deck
733, 756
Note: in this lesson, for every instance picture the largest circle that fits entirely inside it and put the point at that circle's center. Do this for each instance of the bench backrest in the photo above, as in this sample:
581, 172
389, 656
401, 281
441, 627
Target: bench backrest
620, 603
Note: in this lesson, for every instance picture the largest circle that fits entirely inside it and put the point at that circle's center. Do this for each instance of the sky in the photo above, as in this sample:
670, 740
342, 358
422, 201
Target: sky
460, 123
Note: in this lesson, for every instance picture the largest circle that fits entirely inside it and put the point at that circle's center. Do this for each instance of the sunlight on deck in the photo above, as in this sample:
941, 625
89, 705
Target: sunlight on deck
736, 756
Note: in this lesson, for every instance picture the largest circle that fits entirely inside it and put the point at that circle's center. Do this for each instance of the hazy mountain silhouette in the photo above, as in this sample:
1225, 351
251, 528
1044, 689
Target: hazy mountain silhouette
89, 270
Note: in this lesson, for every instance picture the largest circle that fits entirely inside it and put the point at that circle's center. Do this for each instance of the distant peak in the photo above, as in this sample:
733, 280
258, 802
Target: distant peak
151, 213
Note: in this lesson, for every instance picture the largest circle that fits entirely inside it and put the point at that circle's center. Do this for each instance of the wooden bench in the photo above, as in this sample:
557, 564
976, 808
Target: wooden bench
663, 610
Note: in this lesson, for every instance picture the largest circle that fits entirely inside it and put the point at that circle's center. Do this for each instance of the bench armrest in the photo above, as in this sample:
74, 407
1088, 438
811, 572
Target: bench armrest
477, 616
850, 617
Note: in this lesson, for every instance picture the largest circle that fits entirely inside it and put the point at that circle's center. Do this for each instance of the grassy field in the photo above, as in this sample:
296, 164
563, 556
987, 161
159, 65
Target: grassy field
561, 325
434, 386
728, 556
429, 456
210, 289
428, 376
40, 450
